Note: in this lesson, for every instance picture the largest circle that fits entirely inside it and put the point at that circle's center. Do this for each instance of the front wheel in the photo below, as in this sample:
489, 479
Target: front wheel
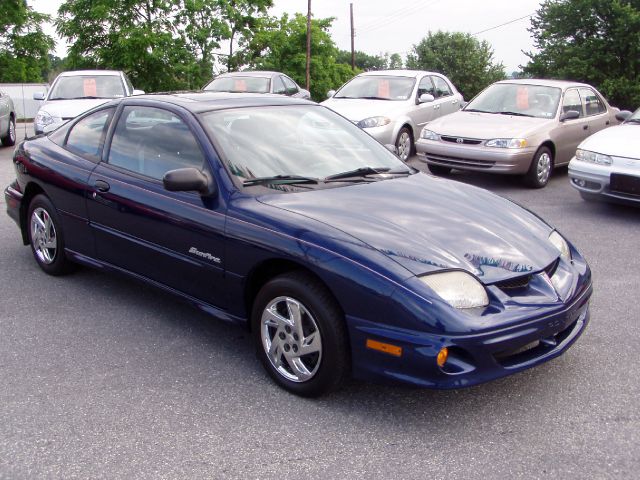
9, 139
540, 169
300, 335
404, 144
46, 237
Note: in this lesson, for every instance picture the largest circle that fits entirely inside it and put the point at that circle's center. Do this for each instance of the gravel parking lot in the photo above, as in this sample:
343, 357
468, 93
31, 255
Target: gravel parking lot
102, 377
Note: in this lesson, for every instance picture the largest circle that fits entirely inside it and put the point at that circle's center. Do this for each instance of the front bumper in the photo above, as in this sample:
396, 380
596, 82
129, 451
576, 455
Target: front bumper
385, 134
593, 179
473, 358
13, 199
475, 157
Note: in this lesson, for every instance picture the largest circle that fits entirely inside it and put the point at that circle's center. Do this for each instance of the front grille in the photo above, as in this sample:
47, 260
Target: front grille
460, 140
514, 283
460, 162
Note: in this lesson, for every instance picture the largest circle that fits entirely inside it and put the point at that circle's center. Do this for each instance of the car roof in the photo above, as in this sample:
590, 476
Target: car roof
546, 82
75, 73
398, 73
251, 73
199, 102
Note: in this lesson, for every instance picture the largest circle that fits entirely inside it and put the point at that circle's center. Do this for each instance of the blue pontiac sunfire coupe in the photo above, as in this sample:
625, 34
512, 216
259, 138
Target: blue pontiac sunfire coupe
283, 215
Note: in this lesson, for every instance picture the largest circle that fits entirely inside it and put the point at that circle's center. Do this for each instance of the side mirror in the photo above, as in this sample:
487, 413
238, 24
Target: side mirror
138, 92
426, 98
392, 148
188, 180
38, 96
331, 93
569, 115
622, 115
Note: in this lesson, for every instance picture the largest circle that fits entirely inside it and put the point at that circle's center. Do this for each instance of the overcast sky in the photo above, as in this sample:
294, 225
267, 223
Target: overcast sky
396, 25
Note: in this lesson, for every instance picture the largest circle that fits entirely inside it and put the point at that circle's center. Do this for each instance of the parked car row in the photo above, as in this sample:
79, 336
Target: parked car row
7, 120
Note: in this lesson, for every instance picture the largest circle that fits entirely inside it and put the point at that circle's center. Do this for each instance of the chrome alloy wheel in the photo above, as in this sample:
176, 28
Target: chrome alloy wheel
43, 236
543, 169
404, 145
291, 339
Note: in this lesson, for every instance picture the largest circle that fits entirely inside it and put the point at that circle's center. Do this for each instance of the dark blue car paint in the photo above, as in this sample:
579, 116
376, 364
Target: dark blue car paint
368, 243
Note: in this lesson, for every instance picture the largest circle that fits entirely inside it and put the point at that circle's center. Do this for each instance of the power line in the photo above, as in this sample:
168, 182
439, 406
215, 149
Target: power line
382, 22
503, 24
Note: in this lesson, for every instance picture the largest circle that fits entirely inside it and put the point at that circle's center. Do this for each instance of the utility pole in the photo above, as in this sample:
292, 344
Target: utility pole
353, 34
308, 86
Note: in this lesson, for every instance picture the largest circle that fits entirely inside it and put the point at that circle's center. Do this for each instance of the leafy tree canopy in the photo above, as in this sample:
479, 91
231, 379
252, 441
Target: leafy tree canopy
593, 41
367, 62
24, 47
460, 56
280, 44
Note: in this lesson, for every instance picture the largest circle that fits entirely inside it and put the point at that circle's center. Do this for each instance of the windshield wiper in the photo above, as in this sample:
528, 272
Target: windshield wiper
475, 110
358, 172
517, 114
279, 179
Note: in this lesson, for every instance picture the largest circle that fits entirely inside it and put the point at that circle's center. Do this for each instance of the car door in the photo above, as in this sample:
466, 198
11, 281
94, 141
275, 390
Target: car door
173, 238
570, 132
595, 110
447, 101
423, 113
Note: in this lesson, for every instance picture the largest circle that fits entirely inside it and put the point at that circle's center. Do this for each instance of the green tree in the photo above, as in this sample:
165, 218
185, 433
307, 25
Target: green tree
460, 56
364, 61
593, 41
140, 37
394, 62
280, 44
24, 47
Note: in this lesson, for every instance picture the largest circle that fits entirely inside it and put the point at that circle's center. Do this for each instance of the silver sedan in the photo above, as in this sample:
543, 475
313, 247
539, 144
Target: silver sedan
7, 120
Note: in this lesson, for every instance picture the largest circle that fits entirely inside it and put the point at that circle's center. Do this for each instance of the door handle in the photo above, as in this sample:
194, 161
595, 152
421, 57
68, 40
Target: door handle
454, 102
585, 127
436, 107
102, 186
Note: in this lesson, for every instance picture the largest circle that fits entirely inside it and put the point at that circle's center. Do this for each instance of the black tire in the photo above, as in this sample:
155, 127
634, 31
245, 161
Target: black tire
439, 170
540, 169
404, 144
319, 311
47, 231
9, 139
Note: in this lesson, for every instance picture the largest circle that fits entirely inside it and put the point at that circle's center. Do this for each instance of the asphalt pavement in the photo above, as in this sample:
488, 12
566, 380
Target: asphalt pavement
101, 377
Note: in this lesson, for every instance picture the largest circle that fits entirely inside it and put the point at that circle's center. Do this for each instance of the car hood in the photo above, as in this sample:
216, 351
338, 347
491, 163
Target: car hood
356, 109
71, 108
487, 125
426, 223
618, 141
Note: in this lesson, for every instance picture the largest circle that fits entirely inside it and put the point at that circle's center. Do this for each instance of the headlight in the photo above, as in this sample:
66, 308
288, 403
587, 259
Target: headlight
592, 157
507, 143
561, 244
43, 118
459, 289
429, 135
374, 122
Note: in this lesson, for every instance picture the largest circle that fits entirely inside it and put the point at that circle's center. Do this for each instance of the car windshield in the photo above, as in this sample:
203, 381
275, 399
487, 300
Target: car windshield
517, 99
296, 141
378, 87
87, 86
238, 84
635, 117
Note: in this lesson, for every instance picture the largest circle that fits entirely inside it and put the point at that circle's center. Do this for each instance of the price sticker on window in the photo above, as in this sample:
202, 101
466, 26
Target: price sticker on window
89, 87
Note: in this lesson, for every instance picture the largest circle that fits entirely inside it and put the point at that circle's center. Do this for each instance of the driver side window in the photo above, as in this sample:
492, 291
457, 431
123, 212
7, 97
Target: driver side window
151, 141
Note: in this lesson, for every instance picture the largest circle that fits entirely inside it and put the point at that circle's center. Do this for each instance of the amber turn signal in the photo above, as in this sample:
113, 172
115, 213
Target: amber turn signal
443, 354
384, 347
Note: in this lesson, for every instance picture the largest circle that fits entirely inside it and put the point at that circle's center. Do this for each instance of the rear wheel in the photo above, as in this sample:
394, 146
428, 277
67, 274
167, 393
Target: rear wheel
46, 237
404, 144
300, 335
439, 169
540, 169
10, 138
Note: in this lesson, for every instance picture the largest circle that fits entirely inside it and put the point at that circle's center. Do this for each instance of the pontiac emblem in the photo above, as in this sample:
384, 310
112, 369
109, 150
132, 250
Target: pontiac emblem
460, 140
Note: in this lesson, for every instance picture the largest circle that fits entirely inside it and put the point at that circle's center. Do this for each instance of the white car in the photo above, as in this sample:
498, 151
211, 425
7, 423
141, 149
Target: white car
393, 105
607, 164
73, 93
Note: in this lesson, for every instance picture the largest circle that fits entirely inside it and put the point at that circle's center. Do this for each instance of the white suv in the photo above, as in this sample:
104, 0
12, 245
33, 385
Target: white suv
73, 93
394, 105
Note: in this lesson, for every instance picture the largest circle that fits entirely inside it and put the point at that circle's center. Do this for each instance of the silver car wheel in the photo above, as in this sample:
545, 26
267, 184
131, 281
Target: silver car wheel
543, 169
43, 236
12, 131
291, 339
404, 145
